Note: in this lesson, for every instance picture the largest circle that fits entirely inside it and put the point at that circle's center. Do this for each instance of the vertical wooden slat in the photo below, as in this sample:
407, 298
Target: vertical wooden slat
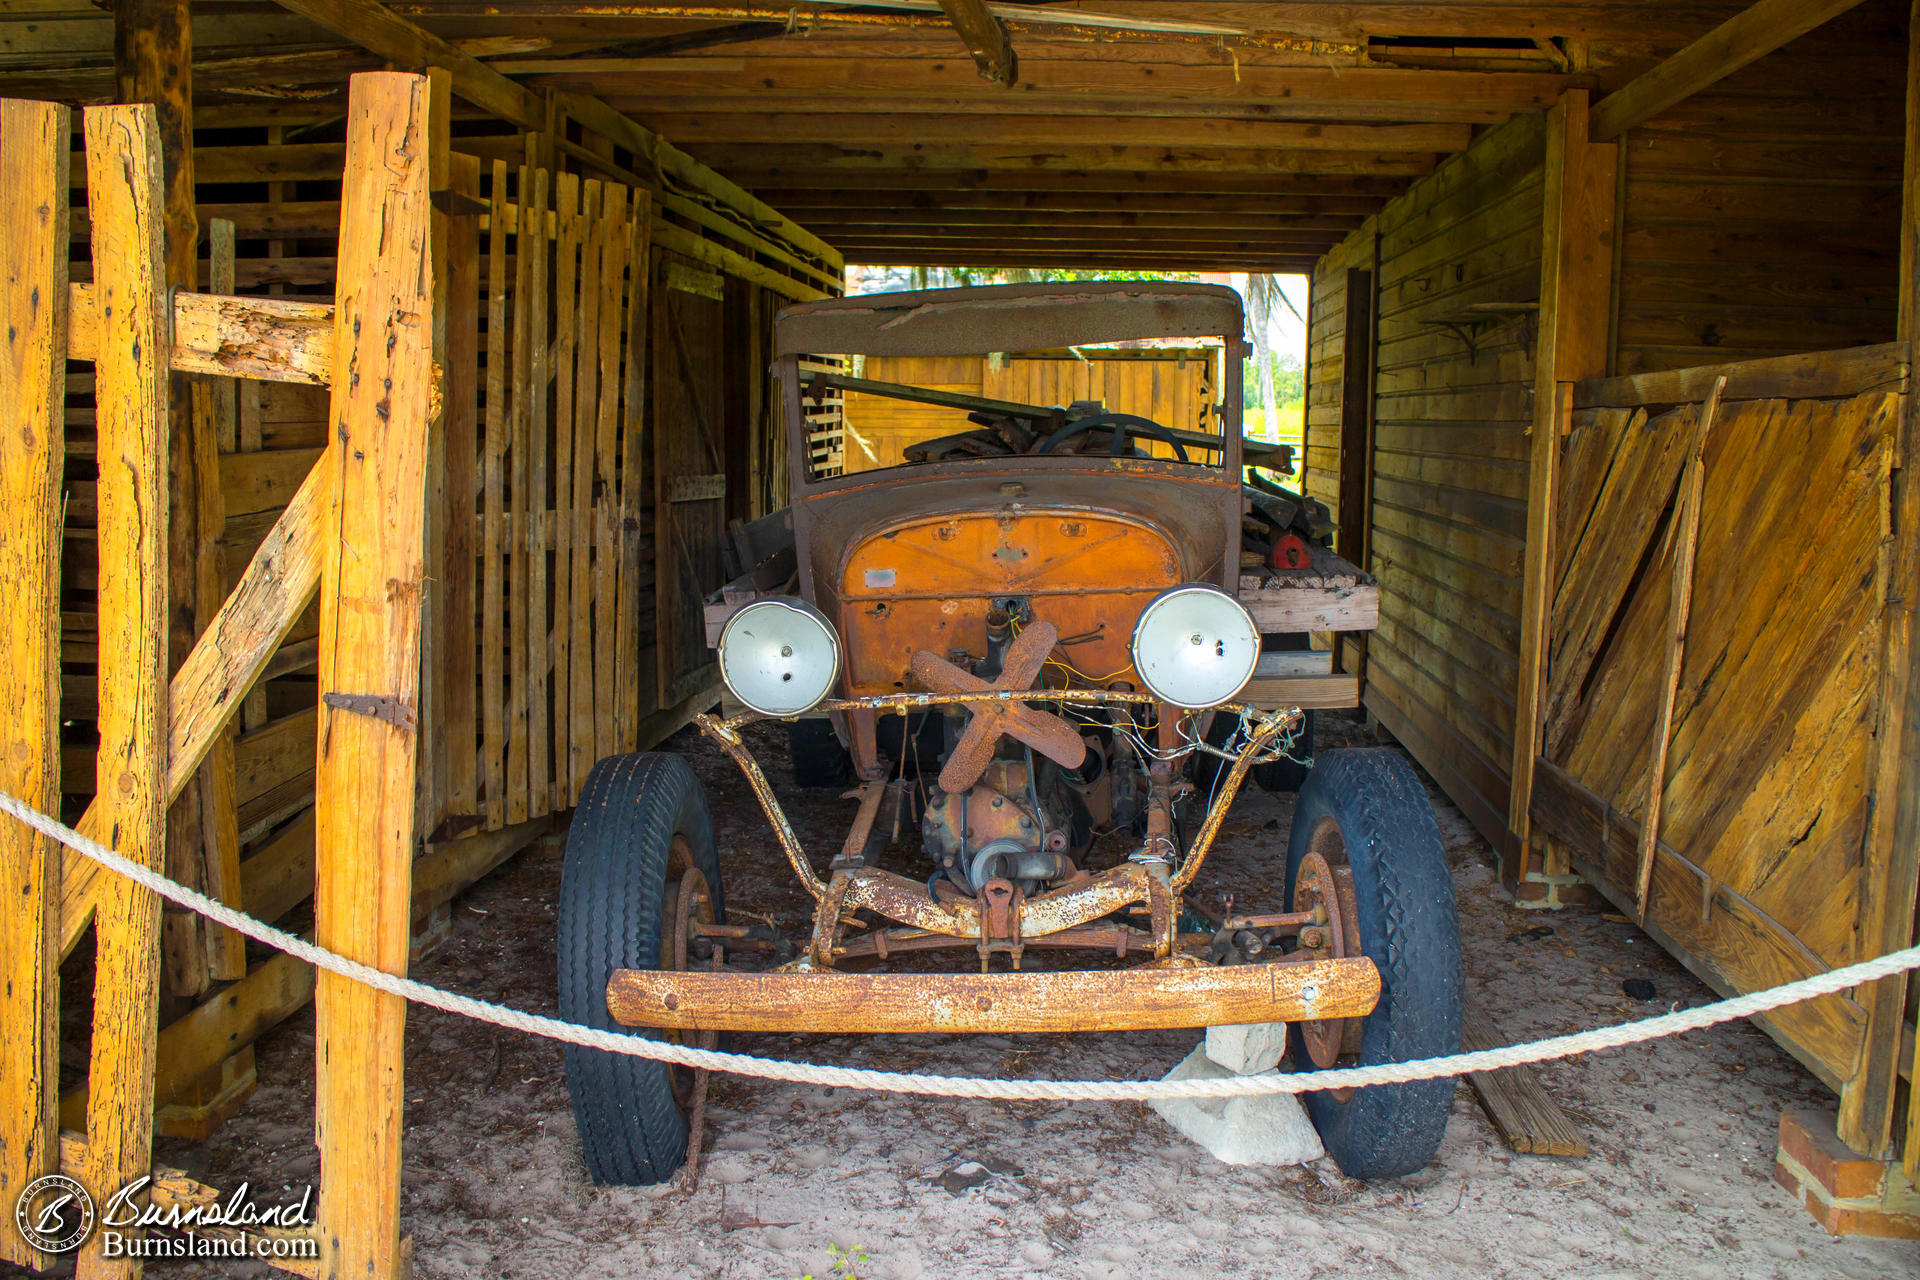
569, 276
1686, 542
130, 371
493, 532
629, 671
534, 244
463, 489
226, 949
1576, 278
517, 535
226, 424
577, 748
600, 741
34, 146
371, 573
431, 798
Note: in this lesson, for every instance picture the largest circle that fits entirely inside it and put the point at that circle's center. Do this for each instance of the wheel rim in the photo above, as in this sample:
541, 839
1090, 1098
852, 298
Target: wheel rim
688, 902
1324, 885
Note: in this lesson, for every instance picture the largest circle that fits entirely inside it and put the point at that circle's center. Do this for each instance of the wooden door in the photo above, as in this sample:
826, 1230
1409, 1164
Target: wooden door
689, 466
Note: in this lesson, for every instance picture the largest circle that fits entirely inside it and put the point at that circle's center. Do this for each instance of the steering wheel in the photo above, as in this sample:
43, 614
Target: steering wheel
1121, 424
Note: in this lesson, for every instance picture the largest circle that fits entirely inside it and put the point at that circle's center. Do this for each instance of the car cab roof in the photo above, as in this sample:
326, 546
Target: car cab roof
1013, 317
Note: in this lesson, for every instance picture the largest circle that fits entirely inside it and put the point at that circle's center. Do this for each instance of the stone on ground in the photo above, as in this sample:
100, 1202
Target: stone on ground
1268, 1129
1247, 1048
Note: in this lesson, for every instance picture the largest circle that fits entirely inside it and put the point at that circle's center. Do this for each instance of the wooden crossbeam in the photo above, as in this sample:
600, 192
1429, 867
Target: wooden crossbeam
268, 339
1035, 129
1001, 181
1170, 163
1741, 39
33, 272
1345, 93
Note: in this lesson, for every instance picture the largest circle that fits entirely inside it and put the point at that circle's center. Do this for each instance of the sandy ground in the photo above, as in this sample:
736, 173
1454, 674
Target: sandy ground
1678, 1184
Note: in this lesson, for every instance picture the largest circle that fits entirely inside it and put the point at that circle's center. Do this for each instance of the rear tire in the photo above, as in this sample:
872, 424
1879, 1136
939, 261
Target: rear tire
1366, 810
641, 821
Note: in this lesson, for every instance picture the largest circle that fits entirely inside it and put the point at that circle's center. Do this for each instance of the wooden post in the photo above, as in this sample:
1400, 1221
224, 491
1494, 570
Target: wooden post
131, 390
463, 491
1576, 280
370, 586
153, 63
1892, 862
35, 138
1686, 538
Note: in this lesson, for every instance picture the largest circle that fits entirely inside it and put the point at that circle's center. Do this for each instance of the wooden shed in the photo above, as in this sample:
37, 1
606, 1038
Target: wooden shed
465, 309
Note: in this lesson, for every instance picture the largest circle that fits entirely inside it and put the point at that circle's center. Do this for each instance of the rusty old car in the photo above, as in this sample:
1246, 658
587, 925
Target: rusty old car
1026, 643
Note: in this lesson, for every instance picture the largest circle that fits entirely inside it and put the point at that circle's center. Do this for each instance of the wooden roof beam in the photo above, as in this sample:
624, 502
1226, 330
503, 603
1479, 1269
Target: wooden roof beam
995, 182
379, 30
1741, 39
1041, 130
1280, 92
1166, 163
987, 39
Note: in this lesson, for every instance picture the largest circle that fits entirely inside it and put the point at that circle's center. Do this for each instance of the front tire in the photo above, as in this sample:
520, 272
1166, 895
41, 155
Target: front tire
641, 824
1366, 811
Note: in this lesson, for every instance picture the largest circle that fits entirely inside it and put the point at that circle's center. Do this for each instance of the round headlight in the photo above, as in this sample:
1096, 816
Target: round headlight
779, 656
1195, 646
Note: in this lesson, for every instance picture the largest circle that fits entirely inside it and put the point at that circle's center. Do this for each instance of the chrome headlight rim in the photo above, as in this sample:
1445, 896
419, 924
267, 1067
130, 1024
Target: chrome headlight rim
1154, 607
764, 609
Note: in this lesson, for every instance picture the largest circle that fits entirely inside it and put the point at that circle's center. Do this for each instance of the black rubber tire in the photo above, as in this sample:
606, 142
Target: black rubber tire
1409, 928
612, 884
818, 758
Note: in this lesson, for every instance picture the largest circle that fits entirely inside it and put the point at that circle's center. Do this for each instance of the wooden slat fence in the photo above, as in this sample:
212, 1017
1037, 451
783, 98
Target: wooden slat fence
557, 488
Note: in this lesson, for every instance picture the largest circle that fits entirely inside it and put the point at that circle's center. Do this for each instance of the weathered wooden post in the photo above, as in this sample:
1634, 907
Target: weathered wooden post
383, 400
34, 142
130, 297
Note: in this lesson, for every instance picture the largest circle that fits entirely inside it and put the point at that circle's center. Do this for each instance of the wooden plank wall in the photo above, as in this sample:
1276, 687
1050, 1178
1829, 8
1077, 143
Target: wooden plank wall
1457, 254
1327, 365
1768, 779
1761, 216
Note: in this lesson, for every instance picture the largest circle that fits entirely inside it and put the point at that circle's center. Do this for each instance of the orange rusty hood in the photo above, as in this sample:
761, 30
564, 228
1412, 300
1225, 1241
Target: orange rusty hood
915, 561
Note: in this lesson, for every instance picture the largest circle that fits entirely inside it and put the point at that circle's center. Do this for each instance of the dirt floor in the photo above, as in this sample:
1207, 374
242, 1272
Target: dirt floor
802, 1181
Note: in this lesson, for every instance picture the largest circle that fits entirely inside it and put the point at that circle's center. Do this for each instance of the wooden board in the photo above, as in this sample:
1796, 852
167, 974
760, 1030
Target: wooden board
33, 266
999, 1002
1524, 1114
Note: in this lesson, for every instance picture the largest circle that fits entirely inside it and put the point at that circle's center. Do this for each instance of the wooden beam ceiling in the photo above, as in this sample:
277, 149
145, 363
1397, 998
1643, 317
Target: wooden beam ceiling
1185, 132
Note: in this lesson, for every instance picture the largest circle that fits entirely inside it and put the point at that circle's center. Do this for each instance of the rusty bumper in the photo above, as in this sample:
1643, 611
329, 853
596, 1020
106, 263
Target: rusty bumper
1148, 997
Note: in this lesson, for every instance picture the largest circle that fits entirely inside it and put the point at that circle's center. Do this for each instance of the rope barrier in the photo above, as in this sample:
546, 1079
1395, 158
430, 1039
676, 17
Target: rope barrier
1668, 1024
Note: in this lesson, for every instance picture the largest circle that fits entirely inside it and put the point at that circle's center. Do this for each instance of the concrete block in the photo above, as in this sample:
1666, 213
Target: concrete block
1270, 1129
1248, 1048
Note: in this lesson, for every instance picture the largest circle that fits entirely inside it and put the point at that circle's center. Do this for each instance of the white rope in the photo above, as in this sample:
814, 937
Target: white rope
1669, 1024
